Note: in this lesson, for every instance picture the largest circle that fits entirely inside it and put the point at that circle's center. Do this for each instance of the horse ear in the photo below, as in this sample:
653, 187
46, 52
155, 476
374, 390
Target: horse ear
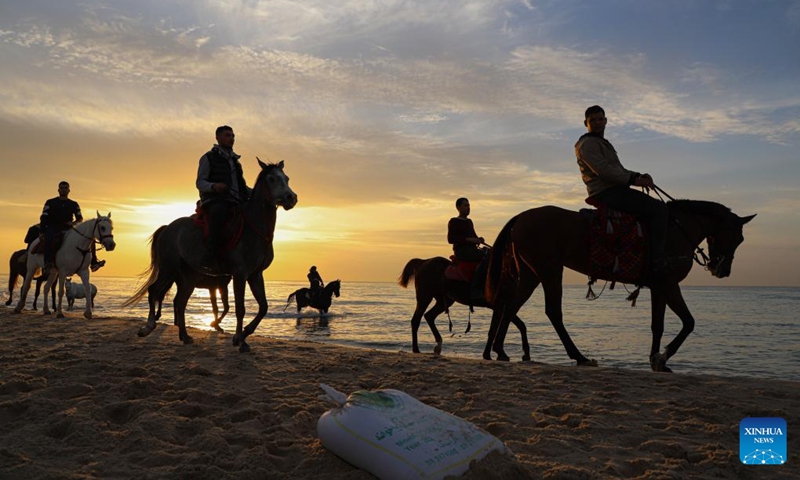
262, 164
109, 215
747, 219
98, 213
280, 164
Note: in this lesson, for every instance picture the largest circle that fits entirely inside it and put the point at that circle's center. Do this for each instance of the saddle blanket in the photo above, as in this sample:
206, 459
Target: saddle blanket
235, 222
617, 246
460, 270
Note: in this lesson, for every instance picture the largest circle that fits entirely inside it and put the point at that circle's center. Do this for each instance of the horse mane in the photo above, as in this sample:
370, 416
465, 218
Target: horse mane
701, 207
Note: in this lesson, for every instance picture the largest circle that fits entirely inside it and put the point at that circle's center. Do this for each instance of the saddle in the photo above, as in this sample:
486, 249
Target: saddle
38, 247
618, 244
234, 226
460, 270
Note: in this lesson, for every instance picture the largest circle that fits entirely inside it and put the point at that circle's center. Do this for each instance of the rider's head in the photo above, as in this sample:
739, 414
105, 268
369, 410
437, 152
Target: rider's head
63, 188
595, 119
225, 136
462, 205
312, 269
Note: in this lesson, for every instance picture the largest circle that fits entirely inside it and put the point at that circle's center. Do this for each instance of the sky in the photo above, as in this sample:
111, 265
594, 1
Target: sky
387, 111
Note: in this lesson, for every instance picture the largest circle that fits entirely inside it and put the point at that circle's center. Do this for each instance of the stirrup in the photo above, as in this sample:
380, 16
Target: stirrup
96, 266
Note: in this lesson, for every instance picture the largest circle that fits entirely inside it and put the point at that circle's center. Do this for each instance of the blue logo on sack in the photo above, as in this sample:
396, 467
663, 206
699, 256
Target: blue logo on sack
762, 441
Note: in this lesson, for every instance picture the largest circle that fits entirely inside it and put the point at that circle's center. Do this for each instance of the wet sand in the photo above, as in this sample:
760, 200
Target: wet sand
90, 399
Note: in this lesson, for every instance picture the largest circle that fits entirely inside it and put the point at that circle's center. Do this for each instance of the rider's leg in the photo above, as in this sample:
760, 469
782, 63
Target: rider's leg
95, 265
47, 249
217, 213
655, 211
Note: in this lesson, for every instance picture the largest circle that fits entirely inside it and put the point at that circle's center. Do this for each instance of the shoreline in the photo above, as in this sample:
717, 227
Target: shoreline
89, 398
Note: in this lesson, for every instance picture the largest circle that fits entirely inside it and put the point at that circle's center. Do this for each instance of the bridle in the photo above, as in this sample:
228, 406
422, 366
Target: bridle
96, 237
699, 254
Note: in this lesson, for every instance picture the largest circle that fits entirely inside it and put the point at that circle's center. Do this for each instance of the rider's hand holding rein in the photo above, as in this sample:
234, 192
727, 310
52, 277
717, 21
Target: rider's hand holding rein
219, 187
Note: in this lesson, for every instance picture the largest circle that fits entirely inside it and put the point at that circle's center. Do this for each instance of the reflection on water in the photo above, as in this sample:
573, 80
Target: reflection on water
738, 331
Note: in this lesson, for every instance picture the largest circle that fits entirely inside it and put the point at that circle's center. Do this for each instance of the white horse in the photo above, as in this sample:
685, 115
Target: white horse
72, 258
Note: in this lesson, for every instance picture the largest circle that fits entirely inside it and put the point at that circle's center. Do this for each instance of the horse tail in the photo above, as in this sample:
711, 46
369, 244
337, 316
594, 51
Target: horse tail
497, 257
151, 270
409, 272
13, 270
289, 299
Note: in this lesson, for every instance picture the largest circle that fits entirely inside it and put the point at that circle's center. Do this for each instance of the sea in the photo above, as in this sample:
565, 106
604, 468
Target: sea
739, 331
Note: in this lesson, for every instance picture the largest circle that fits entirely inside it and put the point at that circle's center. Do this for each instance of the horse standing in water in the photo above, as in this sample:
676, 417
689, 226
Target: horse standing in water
73, 257
17, 267
176, 256
430, 283
320, 299
536, 245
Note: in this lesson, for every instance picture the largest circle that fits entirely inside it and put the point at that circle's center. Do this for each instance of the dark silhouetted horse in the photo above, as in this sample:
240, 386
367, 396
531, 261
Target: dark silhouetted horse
320, 299
431, 284
536, 245
16, 270
176, 256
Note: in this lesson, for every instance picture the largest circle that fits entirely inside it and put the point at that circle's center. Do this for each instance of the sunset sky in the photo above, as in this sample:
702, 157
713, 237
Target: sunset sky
386, 111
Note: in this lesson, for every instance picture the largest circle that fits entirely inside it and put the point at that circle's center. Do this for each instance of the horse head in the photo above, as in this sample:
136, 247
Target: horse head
722, 244
103, 228
276, 185
334, 286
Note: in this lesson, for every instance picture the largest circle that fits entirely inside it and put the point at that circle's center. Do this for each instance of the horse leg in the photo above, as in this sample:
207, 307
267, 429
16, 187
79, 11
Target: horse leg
658, 306
61, 289
676, 303
442, 304
155, 296
223, 295
523, 331
87, 289
23, 293
256, 282
179, 306
422, 303
552, 307
212, 293
238, 301
38, 290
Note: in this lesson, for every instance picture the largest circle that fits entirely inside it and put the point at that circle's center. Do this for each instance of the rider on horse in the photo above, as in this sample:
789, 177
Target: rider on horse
608, 182
221, 183
57, 217
314, 279
461, 234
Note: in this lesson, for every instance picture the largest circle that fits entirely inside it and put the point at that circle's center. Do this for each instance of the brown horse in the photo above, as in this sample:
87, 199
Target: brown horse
17, 269
536, 245
430, 283
176, 257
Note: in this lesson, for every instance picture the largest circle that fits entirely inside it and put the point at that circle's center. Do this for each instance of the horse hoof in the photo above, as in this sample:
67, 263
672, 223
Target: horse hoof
526, 358
437, 350
502, 357
219, 329
244, 348
237, 339
415, 350
587, 363
60, 315
187, 340
146, 330
487, 356
17, 310
88, 315
8, 302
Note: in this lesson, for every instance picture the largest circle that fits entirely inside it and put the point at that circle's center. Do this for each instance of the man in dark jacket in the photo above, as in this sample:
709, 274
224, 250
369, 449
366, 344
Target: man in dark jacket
58, 215
461, 234
221, 183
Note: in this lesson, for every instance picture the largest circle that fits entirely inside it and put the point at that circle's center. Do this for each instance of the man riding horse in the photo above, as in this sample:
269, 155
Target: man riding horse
461, 234
57, 217
608, 182
221, 183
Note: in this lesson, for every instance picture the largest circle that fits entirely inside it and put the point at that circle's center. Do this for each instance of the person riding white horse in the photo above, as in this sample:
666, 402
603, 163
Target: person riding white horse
74, 257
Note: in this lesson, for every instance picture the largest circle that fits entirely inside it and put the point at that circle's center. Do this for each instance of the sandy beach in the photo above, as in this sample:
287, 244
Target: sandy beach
89, 399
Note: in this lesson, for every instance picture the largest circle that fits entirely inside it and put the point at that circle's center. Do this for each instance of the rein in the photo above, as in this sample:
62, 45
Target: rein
698, 249
99, 239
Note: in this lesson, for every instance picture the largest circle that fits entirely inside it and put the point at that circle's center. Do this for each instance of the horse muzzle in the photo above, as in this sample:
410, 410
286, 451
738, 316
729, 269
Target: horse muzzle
110, 245
288, 201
